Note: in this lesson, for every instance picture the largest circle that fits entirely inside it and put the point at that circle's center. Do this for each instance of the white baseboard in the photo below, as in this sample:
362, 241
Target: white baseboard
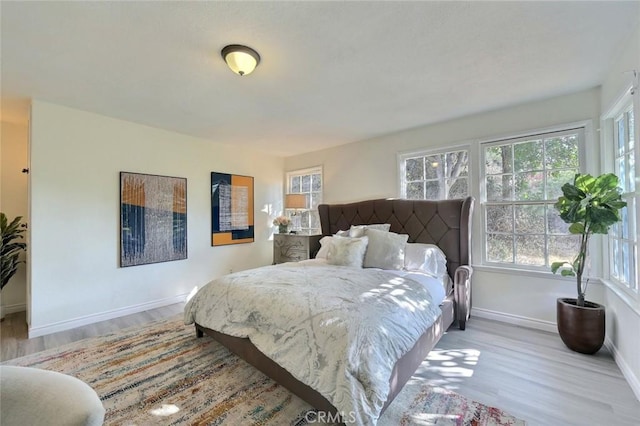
12, 309
627, 372
515, 319
103, 316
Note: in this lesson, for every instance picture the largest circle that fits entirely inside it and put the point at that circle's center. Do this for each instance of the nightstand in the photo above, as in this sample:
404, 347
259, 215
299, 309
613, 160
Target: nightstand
294, 247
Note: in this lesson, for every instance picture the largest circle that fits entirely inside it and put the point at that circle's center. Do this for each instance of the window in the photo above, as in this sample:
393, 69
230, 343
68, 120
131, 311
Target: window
308, 182
434, 175
521, 180
623, 244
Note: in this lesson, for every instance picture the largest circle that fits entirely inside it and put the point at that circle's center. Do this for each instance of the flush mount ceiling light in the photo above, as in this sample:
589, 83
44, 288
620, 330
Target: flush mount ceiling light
241, 59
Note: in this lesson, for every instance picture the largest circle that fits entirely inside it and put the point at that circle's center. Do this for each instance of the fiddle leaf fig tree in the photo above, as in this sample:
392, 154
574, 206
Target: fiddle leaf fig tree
11, 247
591, 205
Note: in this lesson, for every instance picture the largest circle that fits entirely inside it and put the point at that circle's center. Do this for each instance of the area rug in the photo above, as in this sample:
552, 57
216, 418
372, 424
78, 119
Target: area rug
161, 374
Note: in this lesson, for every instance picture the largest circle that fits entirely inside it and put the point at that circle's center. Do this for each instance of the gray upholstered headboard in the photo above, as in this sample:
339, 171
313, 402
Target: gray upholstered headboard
445, 223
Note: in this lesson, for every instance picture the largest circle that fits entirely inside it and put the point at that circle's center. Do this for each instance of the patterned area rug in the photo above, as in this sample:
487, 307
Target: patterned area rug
161, 374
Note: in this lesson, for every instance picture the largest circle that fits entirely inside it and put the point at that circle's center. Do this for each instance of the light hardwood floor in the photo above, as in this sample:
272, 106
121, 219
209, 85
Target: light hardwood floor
528, 373
13, 331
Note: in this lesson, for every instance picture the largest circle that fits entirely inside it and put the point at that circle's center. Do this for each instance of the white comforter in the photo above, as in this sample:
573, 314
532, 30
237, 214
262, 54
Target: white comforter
337, 329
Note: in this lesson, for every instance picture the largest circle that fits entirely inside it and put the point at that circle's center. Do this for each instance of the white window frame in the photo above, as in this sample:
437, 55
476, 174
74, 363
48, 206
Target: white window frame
626, 102
584, 127
312, 210
404, 156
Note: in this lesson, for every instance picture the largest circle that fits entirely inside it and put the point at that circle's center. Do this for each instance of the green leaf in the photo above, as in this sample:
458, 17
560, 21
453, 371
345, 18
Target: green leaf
556, 265
565, 268
584, 182
571, 213
599, 228
609, 196
576, 228
617, 204
571, 192
604, 217
606, 182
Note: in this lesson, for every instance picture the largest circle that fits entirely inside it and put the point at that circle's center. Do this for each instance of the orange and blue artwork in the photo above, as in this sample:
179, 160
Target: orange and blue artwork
231, 209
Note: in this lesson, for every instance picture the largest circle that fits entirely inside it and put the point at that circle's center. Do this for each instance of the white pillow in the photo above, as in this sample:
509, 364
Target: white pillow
344, 251
426, 258
385, 250
358, 230
325, 243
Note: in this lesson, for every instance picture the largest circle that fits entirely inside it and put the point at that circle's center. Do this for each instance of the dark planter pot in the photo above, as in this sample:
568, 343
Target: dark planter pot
581, 328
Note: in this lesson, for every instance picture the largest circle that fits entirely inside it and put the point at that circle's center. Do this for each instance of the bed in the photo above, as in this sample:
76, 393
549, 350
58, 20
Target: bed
446, 224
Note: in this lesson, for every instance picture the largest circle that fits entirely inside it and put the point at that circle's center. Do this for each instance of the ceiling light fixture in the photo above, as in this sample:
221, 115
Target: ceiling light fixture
241, 59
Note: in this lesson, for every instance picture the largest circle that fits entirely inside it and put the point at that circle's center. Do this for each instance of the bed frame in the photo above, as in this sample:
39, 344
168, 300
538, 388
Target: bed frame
445, 223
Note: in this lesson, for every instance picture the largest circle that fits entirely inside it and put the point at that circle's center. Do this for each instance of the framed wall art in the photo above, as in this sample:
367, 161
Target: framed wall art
231, 209
153, 219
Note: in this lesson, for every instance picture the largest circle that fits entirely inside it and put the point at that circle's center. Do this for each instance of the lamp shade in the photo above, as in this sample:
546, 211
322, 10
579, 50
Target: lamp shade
295, 201
241, 59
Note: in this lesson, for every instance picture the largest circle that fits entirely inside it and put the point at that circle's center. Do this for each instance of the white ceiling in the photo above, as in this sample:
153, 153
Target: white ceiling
331, 72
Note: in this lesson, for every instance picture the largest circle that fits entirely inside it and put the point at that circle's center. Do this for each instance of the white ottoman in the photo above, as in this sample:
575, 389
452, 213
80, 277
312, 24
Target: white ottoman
30, 396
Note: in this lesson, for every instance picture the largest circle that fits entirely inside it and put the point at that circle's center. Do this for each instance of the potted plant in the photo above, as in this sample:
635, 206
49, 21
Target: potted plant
10, 249
590, 205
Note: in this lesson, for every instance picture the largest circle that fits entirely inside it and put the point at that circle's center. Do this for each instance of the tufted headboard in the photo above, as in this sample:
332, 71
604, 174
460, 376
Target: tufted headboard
446, 223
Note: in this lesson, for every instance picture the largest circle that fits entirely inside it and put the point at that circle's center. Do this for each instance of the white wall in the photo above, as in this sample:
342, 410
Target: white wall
76, 158
13, 202
623, 310
620, 74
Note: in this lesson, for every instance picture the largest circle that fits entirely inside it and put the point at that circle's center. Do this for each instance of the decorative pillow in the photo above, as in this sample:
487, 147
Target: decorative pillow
345, 251
358, 230
427, 258
385, 250
325, 243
